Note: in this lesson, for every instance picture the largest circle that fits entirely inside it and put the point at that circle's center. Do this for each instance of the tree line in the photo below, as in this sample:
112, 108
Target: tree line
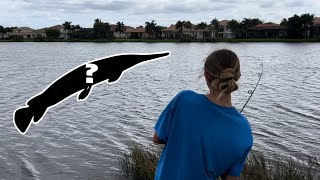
5, 30
297, 27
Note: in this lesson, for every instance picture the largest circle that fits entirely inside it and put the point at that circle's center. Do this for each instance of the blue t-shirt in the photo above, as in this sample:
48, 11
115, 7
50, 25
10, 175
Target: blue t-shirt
203, 140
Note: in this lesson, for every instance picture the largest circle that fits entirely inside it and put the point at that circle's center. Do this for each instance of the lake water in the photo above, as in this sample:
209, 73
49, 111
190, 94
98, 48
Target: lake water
84, 139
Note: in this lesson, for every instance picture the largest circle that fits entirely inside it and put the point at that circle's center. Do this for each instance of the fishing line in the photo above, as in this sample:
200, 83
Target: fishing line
252, 91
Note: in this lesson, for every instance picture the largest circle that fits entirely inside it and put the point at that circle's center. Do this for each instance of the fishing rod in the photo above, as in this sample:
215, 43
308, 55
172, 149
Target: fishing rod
252, 91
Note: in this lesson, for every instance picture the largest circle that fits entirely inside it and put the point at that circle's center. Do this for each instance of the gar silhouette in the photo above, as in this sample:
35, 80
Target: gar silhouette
108, 68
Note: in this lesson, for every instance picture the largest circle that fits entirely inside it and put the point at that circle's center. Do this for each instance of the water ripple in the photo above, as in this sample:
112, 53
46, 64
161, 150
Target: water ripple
81, 140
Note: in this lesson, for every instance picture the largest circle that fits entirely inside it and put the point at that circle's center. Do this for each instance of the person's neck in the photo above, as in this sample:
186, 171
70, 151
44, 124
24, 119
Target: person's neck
220, 98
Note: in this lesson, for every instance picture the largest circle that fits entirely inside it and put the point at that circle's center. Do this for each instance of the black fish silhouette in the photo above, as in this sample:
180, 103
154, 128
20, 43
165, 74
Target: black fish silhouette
108, 68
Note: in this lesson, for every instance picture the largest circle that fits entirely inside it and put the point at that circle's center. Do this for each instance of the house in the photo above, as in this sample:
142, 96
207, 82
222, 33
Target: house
24, 32
137, 33
116, 34
208, 32
63, 32
42, 32
39, 33
224, 31
267, 31
189, 32
171, 32
5, 35
316, 23
83, 33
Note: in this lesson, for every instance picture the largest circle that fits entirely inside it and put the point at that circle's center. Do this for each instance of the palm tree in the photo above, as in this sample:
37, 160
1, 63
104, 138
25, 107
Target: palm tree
295, 29
158, 30
150, 27
248, 23
307, 23
202, 26
188, 25
120, 27
179, 26
77, 26
67, 25
215, 24
8, 29
101, 28
235, 27
97, 27
67, 28
107, 28
1, 29
284, 22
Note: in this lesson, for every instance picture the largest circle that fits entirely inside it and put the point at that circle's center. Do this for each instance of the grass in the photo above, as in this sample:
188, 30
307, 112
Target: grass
140, 163
263, 167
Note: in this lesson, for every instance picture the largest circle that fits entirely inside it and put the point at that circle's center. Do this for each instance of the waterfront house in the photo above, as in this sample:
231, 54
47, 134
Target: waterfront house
208, 32
5, 35
267, 31
39, 33
170, 32
24, 32
316, 23
42, 32
63, 32
113, 28
83, 33
224, 31
137, 33
189, 32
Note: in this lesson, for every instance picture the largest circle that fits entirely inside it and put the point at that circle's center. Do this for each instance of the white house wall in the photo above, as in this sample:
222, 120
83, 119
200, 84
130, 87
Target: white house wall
119, 35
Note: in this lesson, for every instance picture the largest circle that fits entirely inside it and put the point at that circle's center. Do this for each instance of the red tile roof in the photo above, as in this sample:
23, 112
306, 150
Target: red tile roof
57, 27
268, 26
40, 31
114, 26
129, 27
170, 28
24, 29
223, 22
137, 30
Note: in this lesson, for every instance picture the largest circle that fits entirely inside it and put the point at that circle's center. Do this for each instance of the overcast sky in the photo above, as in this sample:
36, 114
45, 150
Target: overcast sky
44, 13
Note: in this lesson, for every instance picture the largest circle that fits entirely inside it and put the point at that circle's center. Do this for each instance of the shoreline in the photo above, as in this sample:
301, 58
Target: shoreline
140, 162
263, 40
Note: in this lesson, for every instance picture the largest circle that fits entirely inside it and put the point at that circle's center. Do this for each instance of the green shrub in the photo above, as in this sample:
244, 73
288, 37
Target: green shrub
140, 163
17, 39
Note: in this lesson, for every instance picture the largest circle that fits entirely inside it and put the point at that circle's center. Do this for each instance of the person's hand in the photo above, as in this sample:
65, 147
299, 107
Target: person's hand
156, 139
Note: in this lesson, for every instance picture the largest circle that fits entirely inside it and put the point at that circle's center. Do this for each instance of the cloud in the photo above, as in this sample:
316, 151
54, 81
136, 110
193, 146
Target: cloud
43, 13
